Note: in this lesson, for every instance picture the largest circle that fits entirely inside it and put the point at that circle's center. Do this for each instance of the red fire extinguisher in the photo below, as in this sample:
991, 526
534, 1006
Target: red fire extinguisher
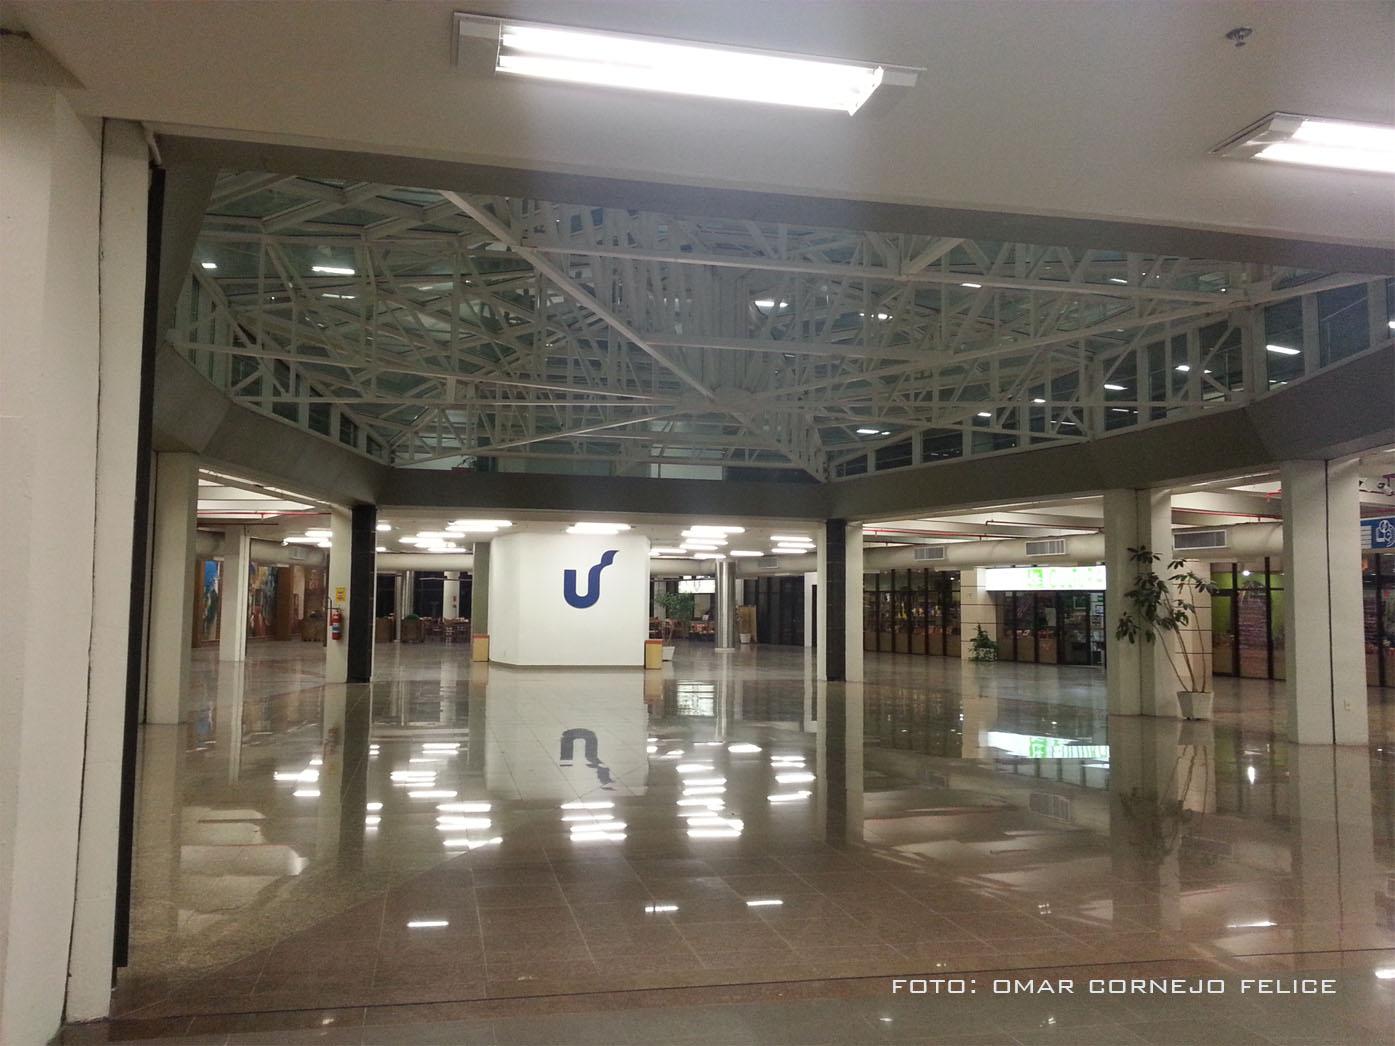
336, 623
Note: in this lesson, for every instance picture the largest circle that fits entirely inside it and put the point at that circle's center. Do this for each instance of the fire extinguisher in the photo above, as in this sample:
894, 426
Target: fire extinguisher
336, 623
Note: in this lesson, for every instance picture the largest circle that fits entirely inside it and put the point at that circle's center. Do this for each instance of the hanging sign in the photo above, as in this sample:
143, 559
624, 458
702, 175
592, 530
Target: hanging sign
1378, 533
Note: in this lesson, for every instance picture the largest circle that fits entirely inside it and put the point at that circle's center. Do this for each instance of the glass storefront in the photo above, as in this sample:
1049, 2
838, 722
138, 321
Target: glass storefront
1378, 605
914, 611
1247, 619
1051, 628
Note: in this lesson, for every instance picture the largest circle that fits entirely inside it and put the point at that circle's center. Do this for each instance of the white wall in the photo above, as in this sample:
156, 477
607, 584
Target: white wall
530, 623
58, 674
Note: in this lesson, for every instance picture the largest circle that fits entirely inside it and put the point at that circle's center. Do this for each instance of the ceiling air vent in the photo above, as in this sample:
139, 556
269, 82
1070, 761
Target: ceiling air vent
925, 553
1192, 540
1049, 547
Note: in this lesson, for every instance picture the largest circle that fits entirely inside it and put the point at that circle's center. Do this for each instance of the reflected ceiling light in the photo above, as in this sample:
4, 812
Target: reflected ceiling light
341, 297
1385, 973
794, 778
209, 265
383, 527
743, 749
597, 528
1283, 350
440, 746
380, 548
788, 797
306, 793
706, 804
693, 768
793, 550
588, 804
714, 833
709, 555
470, 844
1115, 388
659, 909
432, 793
746, 552
372, 820
1116, 279
373, 807
668, 66
427, 924
972, 286
332, 270
464, 808
1315, 141
449, 822
764, 902
792, 539
1391, 324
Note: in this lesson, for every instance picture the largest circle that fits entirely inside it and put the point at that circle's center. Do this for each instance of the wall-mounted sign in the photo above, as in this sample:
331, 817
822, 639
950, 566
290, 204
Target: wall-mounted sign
1045, 579
341, 595
1378, 532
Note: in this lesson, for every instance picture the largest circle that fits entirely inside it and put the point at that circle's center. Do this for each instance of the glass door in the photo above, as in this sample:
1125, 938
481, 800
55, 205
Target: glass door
1075, 628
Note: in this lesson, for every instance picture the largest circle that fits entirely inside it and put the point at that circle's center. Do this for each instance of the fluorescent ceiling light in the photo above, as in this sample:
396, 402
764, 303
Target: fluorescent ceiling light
1117, 279
597, 528
972, 286
668, 551
769, 303
1391, 324
793, 550
869, 432
381, 548
483, 524
1115, 388
342, 297
332, 270
708, 555
1038, 399
698, 531
319, 533
1316, 141
985, 414
1283, 350
792, 538
647, 63
209, 265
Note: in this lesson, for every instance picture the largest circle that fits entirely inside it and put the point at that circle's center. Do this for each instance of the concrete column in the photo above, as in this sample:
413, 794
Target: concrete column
1333, 843
396, 608
852, 597
171, 587
65, 563
726, 606
232, 621
450, 595
976, 610
479, 590
409, 592
1324, 656
1139, 679
811, 580
821, 605
833, 607
363, 593
340, 566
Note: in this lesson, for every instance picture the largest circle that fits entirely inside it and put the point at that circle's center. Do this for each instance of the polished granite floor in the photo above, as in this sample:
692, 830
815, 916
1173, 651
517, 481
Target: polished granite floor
485, 847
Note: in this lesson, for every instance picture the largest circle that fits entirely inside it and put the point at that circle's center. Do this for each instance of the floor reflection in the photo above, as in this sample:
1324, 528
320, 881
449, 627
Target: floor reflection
459, 831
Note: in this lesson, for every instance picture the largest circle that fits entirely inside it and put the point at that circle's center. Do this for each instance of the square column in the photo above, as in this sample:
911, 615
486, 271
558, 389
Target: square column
337, 581
479, 591
363, 593
1324, 655
172, 587
839, 580
1138, 676
976, 610
232, 623
852, 596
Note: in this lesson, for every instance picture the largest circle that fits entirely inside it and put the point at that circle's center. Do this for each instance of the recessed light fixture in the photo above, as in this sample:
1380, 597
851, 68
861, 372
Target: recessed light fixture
1283, 350
209, 265
659, 64
597, 528
1315, 141
332, 270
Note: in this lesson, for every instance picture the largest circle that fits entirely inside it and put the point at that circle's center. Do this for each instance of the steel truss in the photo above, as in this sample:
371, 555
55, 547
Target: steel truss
429, 328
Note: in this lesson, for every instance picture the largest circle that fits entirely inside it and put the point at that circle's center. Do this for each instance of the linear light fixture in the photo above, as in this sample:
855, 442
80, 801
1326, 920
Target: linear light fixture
1315, 141
651, 63
1283, 350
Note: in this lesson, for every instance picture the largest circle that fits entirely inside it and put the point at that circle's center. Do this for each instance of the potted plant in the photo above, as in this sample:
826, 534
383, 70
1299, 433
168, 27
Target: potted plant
1158, 608
982, 647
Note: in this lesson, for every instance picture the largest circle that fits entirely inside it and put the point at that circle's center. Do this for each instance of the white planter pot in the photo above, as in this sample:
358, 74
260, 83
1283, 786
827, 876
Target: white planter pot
745, 637
668, 652
1195, 705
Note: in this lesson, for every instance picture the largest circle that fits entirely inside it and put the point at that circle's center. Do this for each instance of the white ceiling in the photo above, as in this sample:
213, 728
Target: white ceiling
1103, 109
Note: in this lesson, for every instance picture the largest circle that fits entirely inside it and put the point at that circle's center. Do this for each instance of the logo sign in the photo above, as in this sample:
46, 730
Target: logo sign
341, 595
582, 600
1378, 532
1045, 579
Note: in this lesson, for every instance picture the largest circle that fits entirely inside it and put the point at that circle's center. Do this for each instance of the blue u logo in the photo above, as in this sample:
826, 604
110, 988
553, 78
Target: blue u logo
593, 583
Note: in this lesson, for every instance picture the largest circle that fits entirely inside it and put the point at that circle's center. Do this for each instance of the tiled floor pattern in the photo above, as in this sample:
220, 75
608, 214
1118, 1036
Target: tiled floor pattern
731, 823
